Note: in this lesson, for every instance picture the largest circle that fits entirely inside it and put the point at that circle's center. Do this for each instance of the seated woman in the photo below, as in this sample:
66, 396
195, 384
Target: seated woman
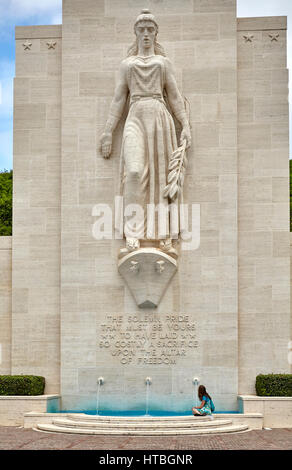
206, 403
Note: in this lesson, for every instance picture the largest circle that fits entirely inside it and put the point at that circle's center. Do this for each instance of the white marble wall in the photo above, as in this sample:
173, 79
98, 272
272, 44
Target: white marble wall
243, 197
263, 205
200, 39
36, 204
5, 304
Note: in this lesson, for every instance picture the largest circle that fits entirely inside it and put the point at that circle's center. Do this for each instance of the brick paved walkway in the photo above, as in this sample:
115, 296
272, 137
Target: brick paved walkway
27, 439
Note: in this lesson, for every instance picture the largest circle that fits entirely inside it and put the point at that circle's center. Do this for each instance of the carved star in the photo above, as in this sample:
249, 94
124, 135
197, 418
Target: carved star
274, 36
51, 45
134, 268
248, 37
27, 45
160, 266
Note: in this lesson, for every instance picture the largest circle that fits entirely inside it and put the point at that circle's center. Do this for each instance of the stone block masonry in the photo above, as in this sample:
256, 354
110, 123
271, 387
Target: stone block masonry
35, 347
5, 304
263, 205
70, 316
95, 39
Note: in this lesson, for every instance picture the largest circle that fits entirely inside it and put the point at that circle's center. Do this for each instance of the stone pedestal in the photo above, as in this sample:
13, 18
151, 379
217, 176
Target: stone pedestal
147, 273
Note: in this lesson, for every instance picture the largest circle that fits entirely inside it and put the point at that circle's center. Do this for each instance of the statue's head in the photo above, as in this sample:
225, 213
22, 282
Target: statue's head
146, 30
146, 17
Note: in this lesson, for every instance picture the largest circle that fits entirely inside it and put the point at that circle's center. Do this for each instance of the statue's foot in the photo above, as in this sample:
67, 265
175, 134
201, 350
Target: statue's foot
132, 244
166, 246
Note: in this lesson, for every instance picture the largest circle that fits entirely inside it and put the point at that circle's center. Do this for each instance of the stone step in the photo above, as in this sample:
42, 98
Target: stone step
161, 432
139, 419
135, 426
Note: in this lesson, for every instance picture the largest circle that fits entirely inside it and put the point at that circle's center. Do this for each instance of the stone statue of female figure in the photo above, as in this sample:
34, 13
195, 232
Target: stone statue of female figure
147, 82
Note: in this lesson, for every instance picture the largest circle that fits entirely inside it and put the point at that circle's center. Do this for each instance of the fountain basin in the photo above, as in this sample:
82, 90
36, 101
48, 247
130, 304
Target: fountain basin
137, 413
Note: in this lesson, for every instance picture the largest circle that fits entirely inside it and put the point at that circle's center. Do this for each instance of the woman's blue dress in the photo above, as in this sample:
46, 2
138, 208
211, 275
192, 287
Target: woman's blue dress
206, 410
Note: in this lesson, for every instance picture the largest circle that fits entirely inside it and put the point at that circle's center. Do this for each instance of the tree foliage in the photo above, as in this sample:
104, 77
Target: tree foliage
6, 185
22, 385
274, 385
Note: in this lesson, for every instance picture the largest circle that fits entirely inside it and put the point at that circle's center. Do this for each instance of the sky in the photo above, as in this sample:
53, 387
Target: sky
33, 12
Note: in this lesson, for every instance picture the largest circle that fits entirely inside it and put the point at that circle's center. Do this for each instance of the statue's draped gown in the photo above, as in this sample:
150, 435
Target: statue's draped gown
149, 139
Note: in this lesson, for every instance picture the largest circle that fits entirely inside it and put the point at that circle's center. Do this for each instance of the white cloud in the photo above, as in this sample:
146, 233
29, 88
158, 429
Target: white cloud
6, 83
7, 68
6, 104
6, 139
28, 8
18, 12
248, 8
56, 19
6, 112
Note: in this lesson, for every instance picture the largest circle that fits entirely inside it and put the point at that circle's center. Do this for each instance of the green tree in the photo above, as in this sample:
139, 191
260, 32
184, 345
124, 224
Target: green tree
6, 185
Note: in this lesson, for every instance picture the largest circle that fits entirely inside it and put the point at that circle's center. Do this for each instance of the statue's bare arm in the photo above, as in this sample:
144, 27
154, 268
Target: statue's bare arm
116, 111
177, 104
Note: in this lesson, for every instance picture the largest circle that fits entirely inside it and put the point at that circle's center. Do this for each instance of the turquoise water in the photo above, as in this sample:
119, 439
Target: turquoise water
138, 413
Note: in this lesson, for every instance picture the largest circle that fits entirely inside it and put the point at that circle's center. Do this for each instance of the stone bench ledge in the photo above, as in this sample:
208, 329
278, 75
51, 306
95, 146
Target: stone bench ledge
29, 397
257, 398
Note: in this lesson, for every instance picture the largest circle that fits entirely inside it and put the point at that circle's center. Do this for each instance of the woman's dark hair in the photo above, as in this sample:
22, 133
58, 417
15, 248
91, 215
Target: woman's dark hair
202, 391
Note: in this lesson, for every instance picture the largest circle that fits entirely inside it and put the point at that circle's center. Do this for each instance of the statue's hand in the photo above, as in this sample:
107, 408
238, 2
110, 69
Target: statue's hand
186, 135
106, 144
